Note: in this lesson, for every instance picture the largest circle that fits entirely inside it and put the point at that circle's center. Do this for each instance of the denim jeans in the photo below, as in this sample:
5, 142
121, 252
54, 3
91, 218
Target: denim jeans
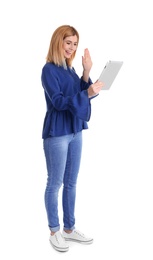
63, 155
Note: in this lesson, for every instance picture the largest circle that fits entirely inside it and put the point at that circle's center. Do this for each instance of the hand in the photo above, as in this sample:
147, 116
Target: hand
95, 88
86, 61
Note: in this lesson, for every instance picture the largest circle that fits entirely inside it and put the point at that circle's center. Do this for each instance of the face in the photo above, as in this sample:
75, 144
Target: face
70, 44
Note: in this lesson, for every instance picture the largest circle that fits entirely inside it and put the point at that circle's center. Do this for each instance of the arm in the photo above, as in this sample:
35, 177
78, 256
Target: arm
95, 88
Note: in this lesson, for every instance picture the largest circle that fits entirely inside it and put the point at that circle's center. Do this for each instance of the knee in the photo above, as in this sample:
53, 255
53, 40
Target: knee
53, 187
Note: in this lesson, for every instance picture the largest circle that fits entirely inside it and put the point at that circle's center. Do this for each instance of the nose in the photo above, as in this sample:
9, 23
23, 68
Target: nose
72, 47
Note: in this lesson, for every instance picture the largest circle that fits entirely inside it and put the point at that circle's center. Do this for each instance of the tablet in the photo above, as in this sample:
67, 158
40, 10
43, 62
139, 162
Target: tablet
109, 73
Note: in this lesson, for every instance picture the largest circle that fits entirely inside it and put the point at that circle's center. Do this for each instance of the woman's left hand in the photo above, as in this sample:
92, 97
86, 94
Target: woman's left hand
86, 60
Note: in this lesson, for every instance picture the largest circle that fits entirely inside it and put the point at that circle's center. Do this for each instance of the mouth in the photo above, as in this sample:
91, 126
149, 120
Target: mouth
68, 53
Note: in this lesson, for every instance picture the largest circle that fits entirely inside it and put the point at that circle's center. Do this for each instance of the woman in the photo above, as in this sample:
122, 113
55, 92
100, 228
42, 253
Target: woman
68, 111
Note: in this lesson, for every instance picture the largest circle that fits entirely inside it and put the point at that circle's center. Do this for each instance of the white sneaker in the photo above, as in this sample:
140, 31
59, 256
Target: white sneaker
58, 242
77, 236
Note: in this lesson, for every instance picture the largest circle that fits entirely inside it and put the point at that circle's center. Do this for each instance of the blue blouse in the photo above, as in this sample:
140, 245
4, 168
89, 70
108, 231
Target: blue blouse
68, 105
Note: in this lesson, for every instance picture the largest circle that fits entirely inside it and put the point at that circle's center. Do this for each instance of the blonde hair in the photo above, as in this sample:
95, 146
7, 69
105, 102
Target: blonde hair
55, 52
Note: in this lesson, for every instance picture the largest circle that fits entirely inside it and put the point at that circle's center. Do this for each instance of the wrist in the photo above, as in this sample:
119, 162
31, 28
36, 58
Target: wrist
86, 70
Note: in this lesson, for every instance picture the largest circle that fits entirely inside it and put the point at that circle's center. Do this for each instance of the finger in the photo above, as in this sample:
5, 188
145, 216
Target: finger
86, 53
99, 84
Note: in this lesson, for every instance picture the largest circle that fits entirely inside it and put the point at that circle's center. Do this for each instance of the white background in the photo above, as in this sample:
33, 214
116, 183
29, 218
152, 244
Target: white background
114, 193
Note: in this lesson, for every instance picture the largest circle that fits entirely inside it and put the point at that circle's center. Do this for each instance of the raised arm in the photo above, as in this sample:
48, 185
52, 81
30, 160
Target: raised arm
94, 88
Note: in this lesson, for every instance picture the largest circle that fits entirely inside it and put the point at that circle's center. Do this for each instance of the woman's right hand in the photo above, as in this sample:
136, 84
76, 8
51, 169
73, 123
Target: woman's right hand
95, 88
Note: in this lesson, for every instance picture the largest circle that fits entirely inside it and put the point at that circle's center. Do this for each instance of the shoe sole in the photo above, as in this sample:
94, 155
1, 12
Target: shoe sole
60, 249
79, 241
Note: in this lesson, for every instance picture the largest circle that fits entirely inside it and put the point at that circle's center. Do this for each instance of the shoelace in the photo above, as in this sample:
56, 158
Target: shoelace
59, 238
79, 233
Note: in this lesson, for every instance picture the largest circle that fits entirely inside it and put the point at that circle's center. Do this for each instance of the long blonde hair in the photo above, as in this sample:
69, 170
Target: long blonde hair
55, 52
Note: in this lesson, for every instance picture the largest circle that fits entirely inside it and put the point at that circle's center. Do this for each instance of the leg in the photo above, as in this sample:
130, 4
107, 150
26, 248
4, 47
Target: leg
70, 180
55, 149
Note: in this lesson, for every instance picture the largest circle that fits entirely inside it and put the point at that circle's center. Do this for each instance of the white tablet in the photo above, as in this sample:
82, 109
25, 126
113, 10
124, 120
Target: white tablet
109, 73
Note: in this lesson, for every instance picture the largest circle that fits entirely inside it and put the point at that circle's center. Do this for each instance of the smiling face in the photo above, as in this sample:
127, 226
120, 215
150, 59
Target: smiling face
70, 44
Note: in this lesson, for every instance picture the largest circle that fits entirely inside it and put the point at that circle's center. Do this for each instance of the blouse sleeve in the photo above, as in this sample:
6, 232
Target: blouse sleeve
78, 104
84, 84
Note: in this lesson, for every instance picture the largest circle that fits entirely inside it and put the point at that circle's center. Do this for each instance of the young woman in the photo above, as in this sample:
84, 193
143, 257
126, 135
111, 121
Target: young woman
68, 101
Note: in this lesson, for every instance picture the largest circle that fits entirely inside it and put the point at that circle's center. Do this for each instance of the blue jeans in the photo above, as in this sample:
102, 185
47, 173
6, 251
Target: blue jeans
63, 155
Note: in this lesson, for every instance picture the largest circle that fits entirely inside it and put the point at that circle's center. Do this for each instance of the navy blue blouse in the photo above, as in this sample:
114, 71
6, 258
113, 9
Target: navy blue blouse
68, 105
